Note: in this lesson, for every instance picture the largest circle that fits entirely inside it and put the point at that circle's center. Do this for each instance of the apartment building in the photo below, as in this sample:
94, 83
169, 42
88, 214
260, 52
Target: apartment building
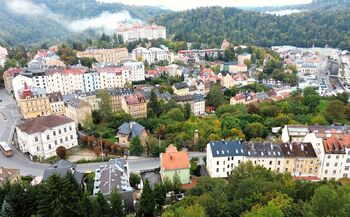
181, 89
115, 55
8, 75
137, 71
39, 137
196, 101
116, 96
138, 31
34, 102
113, 77
152, 55
56, 103
244, 56
135, 105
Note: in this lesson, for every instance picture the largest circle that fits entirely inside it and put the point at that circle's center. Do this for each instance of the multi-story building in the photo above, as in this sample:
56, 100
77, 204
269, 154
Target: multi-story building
196, 101
135, 105
114, 176
39, 137
115, 55
91, 81
195, 55
91, 98
300, 159
34, 102
56, 103
181, 89
223, 157
138, 31
8, 75
152, 55
113, 77
292, 133
116, 95
265, 154
78, 110
174, 162
137, 71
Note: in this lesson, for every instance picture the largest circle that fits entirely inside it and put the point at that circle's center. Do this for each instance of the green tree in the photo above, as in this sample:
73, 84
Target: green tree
134, 180
159, 194
254, 130
187, 111
215, 96
6, 210
101, 201
87, 62
117, 204
154, 104
195, 210
135, 147
147, 201
105, 105
335, 111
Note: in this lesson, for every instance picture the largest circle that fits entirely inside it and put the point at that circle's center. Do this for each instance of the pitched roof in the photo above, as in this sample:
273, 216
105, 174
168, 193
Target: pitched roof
132, 129
173, 159
43, 123
298, 149
61, 168
134, 99
227, 148
76, 103
55, 97
181, 85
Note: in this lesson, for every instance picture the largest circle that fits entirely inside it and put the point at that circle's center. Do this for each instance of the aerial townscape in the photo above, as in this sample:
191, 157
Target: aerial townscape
110, 109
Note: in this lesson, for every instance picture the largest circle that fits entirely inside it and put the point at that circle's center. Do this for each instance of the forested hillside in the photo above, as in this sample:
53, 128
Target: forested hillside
38, 21
210, 25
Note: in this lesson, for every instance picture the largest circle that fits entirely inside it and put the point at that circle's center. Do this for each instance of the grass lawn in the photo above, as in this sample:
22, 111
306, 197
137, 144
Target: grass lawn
323, 105
102, 128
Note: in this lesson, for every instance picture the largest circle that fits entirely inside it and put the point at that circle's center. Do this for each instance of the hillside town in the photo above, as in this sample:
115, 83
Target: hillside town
166, 116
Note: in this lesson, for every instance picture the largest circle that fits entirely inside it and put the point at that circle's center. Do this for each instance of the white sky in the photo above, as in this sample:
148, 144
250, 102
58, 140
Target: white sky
188, 4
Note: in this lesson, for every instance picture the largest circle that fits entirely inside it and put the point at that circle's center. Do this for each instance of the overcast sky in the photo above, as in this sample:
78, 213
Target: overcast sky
187, 4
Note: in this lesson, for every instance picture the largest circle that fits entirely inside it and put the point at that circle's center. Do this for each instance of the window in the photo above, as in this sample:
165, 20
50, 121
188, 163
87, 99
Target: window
228, 158
71, 136
326, 171
59, 131
329, 157
224, 162
286, 170
287, 161
335, 164
48, 137
55, 142
327, 164
223, 169
61, 140
270, 162
66, 138
337, 157
36, 139
217, 162
50, 146
65, 130
239, 161
228, 166
347, 168
38, 148
54, 133
278, 162
70, 127
334, 172
217, 170
348, 160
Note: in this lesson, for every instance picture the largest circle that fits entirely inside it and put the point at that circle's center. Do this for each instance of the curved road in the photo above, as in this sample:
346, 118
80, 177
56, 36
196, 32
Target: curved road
9, 116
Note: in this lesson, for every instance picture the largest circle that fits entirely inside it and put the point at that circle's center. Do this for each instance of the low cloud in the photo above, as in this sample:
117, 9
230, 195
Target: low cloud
105, 21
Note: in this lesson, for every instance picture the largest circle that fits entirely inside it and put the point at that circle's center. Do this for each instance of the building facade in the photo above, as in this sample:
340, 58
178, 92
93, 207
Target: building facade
115, 55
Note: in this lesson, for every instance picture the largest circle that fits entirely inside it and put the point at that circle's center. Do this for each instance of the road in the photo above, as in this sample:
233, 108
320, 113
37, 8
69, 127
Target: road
9, 116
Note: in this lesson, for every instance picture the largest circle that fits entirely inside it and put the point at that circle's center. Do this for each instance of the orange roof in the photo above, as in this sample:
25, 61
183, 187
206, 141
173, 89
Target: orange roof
173, 159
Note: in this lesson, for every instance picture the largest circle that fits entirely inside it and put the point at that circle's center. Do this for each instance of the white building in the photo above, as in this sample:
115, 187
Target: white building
198, 107
223, 157
138, 31
3, 55
91, 81
40, 137
18, 84
243, 57
137, 70
152, 55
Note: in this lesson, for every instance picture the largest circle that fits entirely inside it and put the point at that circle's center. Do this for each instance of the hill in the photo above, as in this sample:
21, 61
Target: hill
210, 25
35, 21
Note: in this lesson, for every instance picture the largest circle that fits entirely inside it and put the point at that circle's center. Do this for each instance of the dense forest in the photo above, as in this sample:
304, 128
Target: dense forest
210, 25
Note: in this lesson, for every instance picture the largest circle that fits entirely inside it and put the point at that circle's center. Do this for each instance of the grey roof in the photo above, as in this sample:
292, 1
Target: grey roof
263, 149
61, 168
75, 102
120, 91
198, 97
132, 129
181, 85
227, 148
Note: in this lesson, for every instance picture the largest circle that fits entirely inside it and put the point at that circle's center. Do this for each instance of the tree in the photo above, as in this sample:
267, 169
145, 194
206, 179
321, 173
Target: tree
159, 194
147, 201
101, 201
135, 147
187, 111
176, 183
154, 104
335, 111
195, 168
6, 210
195, 210
134, 180
247, 62
176, 114
230, 54
215, 96
117, 204
254, 130
97, 151
87, 62
61, 152
105, 105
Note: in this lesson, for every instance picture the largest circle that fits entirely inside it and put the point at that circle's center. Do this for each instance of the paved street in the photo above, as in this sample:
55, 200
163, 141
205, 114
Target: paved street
8, 118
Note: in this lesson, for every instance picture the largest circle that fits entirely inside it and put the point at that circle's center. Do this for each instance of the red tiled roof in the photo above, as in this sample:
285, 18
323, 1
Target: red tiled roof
306, 178
12, 71
173, 159
135, 99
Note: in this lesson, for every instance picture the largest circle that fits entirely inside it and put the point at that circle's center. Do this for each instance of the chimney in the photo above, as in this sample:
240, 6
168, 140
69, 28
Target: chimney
271, 146
302, 146
291, 146
131, 124
253, 146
